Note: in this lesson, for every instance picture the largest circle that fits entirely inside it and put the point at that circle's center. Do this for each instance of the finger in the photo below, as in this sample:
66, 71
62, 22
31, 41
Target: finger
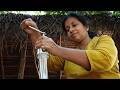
43, 47
24, 24
39, 45
40, 38
29, 31
26, 21
38, 41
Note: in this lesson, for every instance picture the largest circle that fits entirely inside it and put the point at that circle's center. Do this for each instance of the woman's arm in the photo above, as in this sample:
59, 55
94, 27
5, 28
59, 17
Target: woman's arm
74, 55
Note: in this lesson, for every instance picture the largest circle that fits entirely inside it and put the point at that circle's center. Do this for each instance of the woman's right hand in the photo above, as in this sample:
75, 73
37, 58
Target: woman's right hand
34, 35
26, 23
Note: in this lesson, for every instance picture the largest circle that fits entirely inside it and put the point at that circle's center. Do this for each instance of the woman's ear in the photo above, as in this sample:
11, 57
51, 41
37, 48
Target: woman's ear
87, 29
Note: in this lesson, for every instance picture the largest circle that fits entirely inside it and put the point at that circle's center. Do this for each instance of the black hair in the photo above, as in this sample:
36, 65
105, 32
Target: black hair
83, 19
92, 33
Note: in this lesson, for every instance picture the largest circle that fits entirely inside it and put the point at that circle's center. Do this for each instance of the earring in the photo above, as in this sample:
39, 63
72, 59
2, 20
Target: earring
87, 29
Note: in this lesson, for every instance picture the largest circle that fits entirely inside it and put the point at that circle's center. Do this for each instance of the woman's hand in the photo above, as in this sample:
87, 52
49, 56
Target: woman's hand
46, 43
26, 23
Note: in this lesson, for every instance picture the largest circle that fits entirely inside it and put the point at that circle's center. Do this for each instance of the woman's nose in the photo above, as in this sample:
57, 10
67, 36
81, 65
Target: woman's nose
71, 30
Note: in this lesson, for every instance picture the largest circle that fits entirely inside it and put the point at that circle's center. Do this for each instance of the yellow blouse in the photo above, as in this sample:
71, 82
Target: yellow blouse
103, 57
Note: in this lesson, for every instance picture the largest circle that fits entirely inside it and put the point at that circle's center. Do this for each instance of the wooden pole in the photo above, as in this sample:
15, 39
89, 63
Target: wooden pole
22, 61
2, 64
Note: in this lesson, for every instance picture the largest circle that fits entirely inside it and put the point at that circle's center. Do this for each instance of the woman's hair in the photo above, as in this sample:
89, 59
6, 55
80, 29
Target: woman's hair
84, 20
81, 18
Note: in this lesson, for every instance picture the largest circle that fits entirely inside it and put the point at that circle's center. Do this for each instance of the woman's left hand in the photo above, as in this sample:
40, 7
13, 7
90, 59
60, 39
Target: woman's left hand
46, 43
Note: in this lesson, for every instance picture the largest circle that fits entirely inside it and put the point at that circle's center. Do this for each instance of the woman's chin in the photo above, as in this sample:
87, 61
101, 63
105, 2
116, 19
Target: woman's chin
75, 39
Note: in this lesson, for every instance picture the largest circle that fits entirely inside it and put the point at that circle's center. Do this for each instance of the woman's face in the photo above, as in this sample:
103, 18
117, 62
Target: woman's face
75, 29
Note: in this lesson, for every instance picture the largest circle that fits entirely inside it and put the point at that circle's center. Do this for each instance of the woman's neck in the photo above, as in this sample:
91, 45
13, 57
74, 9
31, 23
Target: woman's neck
83, 44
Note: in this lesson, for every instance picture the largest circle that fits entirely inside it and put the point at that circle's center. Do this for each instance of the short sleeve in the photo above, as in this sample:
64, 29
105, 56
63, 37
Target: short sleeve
103, 56
55, 63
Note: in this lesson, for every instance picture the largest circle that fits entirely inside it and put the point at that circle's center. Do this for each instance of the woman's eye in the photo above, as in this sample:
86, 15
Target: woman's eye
74, 25
67, 28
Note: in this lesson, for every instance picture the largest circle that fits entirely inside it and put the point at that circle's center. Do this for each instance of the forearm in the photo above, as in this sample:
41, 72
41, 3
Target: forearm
74, 55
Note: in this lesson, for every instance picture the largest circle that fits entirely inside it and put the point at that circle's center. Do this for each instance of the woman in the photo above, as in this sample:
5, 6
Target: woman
94, 58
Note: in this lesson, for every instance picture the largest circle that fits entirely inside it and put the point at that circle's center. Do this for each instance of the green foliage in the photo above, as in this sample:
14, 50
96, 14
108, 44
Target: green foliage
3, 12
81, 12
116, 13
92, 12
56, 12
47, 13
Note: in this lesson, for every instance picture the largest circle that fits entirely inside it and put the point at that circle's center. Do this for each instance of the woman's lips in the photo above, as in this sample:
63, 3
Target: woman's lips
74, 34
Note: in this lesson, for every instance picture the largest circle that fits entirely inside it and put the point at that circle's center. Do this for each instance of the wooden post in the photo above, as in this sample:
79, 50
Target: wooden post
2, 64
22, 61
